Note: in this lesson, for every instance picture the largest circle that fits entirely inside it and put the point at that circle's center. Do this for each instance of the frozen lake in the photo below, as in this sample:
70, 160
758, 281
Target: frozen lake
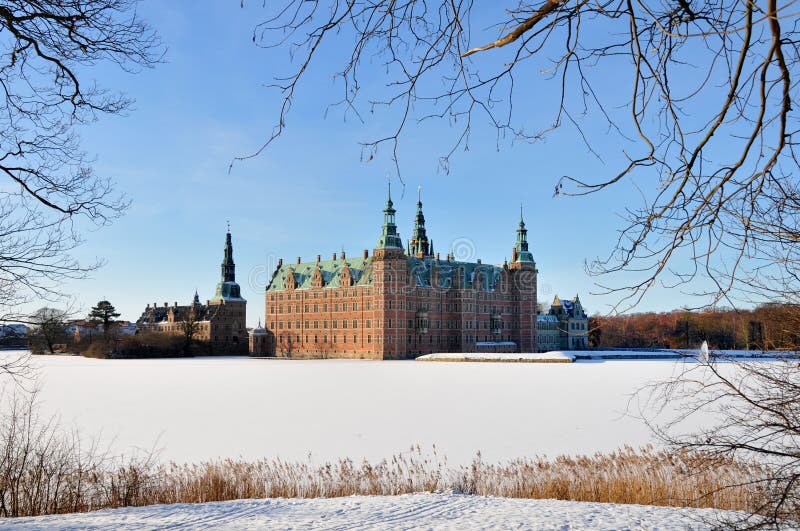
202, 408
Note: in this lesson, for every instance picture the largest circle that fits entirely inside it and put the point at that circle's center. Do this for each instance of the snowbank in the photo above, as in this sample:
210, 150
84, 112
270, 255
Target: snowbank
545, 357
411, 511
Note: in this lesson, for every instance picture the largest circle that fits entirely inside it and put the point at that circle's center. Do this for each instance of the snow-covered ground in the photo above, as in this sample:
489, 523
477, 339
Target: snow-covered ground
412, 511
548, 357
202, 408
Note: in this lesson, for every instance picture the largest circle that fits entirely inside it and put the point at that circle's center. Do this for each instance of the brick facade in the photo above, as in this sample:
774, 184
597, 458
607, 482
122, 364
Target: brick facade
398, 303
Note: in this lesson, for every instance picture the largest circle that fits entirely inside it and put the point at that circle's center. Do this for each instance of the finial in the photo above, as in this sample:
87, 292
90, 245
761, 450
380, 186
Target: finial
229, 224
520, 210
390, 189
419, 193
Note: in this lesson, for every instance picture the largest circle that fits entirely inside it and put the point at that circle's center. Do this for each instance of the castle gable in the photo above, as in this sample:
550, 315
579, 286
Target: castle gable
359, 273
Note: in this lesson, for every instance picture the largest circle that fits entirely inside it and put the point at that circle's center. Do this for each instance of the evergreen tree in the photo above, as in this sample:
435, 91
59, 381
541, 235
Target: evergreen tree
104, 313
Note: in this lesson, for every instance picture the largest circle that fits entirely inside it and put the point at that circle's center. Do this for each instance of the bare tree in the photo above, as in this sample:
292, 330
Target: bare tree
47, 51
49, 329
701, 109
749, 412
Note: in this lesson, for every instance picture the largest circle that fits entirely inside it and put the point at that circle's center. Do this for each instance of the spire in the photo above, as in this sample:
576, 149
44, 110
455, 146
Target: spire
419, 239
389, 237
521, 248
228, 267
227, 288
196, 299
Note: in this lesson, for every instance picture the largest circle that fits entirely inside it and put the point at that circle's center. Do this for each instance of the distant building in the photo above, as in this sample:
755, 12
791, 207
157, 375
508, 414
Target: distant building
81, 329
402, 302
259, 343
220, 322
564, 327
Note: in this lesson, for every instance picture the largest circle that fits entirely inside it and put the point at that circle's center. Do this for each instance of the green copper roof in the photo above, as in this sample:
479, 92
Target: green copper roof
360, 271
421, 269
389, 238
523, 255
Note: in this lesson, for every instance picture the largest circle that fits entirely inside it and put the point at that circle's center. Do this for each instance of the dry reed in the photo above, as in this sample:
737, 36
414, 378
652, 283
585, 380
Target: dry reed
45, 471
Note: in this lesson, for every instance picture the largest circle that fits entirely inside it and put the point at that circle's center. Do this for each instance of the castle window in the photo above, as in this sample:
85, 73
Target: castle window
306, 307
289, 325
369, 339
410, 323
369, 323
316, 339
334, 339
344, 339
325, 307
355, 306
306, 325
297, 324
389, 304
409, 340
390, 323
368, 305
324, 324
272, 325
280, 325
335, 324
344, 323
355, 323
325, 339
316, 307
297, 308
316, 325
298, 339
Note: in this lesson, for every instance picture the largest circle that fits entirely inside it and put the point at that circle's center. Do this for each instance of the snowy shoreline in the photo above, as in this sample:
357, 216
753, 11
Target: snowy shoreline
439, 510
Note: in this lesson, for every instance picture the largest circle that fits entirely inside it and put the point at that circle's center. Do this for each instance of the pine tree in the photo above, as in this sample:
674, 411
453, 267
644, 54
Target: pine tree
104, 313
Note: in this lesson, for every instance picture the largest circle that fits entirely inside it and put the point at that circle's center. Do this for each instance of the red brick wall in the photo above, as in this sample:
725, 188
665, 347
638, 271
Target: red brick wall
310, 323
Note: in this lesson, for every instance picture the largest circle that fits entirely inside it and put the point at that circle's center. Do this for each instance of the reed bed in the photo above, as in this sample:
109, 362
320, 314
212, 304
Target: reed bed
44, 470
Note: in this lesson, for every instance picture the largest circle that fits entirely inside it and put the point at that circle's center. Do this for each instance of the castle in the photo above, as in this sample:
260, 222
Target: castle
220, 323
399, 303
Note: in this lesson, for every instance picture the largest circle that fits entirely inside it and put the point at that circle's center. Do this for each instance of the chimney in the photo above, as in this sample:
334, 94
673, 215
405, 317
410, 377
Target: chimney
366, 254
437, 257
176, 304
148, 306
155, 304
343, 256
165, 305
334, 257
298, 260
479, 261
318, 257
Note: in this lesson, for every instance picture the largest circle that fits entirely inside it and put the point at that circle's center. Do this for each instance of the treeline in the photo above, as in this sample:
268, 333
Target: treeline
766, 327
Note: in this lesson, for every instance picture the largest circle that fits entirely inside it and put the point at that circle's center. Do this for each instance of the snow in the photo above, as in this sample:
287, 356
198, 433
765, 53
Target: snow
203, 408
412, 511
552, 357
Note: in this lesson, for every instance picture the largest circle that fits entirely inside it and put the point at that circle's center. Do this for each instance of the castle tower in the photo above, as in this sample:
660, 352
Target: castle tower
419, 245
523, 282
228, 330
389, 238
390, 278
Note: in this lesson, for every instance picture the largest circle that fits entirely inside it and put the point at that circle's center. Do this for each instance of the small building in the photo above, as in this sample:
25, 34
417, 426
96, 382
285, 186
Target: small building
258, 340
564, 327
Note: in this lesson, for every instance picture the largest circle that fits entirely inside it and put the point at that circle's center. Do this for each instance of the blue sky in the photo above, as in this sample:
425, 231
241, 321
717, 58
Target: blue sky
310, 193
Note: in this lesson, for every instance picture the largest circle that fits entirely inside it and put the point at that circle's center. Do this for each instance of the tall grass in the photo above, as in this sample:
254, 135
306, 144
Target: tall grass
44, 470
